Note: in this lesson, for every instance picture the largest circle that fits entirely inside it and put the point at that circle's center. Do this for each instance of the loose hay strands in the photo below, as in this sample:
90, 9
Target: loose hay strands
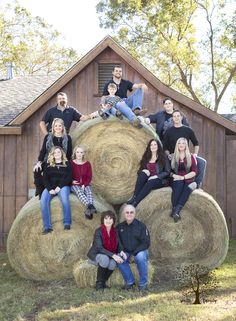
52, 256
85, 274
114, 149
200, 237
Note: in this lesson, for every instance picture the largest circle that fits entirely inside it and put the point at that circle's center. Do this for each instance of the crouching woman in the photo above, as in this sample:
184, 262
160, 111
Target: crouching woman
184, 169
104, 249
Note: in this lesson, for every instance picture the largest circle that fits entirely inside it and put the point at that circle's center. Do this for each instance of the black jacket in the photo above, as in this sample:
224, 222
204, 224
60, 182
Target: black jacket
133, 237
97, 246
159, 120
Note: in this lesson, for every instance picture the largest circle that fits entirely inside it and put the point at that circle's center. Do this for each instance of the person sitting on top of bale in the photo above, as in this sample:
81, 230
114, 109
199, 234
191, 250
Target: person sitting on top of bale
82, 176
104, 249
57, 137
184, 169
153, 172
134, 241
135, 100
57, 177
163, 119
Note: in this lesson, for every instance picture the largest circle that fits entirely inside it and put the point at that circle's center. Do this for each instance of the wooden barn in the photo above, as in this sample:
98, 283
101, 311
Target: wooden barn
25, 100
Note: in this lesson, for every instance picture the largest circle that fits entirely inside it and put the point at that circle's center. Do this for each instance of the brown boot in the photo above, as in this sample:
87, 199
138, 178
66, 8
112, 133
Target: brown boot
137, 123
140, 112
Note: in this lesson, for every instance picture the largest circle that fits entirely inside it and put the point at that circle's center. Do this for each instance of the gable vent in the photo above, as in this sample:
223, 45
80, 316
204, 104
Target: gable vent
104, 74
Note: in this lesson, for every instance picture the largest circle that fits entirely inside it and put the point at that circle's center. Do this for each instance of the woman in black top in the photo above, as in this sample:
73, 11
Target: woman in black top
57, 178
58, 137
153, 172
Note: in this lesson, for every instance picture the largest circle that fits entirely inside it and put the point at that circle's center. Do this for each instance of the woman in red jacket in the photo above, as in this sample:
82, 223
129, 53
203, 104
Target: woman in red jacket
82, 176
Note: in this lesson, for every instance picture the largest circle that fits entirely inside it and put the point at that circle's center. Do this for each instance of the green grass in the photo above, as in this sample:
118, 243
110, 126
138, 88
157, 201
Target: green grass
24, 300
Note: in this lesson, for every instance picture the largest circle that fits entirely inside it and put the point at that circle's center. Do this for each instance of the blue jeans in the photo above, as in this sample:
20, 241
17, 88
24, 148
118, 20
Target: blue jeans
45, 206
201, 169
125, 110
135, 100
180, 193
141, 260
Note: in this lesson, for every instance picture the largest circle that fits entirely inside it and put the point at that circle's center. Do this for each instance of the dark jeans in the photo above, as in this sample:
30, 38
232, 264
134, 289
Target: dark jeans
144, 186
180, 193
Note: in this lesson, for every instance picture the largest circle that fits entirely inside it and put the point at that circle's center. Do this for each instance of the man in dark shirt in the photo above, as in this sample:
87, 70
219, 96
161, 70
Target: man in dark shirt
63, 111
135, 100
177, 131
163, 119
134, 240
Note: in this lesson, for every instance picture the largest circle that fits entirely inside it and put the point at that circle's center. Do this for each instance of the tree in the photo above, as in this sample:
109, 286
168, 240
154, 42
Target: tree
198, 280
31, 44
165, 36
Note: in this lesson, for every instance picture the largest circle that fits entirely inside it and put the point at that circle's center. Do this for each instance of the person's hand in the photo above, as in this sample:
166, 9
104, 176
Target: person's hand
52, 192
178, 177
170, 156
85, 117
83, 187
153, 177
75, 182
143, 86
123, 255
57, 190
117, 258
38, 166
147, 121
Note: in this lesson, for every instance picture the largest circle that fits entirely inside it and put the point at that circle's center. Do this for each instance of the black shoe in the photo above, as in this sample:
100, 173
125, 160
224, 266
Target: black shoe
103, 115
119, 115
176, 217
67, 227
131, 200
99, 286
88, 215
47, 230
172, 212
129, 287
92, 209
143, 288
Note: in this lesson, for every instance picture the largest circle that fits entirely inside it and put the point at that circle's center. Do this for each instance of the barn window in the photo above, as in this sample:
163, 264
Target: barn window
104, 74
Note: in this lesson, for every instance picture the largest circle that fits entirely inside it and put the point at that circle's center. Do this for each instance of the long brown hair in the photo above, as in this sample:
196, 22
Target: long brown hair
147, 155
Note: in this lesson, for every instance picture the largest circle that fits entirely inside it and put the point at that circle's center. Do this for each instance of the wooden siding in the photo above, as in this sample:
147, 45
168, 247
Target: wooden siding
19, 153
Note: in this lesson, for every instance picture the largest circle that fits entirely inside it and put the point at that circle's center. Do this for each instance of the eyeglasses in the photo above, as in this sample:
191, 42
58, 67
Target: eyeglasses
127, 212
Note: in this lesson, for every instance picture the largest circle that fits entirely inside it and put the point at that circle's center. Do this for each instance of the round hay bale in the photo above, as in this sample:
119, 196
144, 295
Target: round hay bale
85, 274
52, 256
200, 237
114, 149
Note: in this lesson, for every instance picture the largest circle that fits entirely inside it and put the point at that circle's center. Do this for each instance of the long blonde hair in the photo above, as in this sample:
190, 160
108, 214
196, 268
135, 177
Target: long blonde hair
60, 121
51, 158
176, 156
75, 149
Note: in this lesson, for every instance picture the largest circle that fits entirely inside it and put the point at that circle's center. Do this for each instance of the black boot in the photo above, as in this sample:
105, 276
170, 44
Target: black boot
107, 276
101, 275
131, 200
177, 210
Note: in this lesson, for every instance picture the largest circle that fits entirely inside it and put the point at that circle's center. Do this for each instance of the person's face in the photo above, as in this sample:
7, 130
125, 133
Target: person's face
153, 146
58, 128
168, 106
108, 221
117, 72
57, 154
181, 145
111, 90
62, 100
79, 153
129, 213
177, 118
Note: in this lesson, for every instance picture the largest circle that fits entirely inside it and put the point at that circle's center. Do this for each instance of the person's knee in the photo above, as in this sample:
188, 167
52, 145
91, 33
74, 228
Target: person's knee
103, 260
141, 256
146, 171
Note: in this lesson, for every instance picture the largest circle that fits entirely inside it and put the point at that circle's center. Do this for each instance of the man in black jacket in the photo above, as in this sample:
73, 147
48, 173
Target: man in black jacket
163, 119
134, 241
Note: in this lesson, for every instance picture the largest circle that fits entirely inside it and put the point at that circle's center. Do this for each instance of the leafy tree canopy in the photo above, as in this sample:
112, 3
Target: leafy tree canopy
188, 44
31, 44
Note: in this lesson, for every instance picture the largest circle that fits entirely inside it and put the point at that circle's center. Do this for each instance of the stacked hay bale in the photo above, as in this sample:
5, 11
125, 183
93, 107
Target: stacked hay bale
52, 256
114, 150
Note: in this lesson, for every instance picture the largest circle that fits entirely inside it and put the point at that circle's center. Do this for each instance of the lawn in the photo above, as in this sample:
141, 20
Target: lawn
24, 300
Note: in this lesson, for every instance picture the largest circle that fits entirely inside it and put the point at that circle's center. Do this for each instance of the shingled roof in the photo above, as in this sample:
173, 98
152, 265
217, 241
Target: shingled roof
18, 93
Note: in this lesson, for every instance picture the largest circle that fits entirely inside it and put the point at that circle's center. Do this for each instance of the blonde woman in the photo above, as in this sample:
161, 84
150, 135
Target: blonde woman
57, 137
82, 176
184, 169
57, 180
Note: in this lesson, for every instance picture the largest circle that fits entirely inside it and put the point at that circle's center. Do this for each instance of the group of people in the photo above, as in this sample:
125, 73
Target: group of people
166, 161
